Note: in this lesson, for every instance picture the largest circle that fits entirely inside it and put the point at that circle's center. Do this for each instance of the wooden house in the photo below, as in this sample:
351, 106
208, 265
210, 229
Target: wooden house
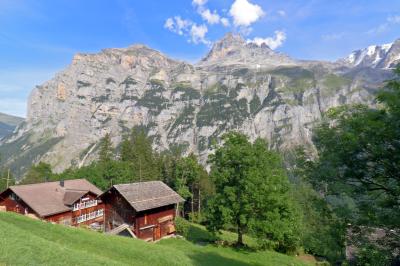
146, 209
69, 202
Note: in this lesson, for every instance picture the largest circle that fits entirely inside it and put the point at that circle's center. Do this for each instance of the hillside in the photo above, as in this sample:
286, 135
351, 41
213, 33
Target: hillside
8, 123
237, 86
28, 242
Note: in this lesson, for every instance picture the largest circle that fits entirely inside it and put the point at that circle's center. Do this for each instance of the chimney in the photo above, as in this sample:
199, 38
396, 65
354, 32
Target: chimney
61, 183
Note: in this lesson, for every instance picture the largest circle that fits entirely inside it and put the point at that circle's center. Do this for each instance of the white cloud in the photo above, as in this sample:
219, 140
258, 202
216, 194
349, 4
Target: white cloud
394, 19
198, 34
210, 17
332, 36
184, 27
225, 22
272, 42
199, 2
178, 25
282, 13
169, 24
390, 22
245, 13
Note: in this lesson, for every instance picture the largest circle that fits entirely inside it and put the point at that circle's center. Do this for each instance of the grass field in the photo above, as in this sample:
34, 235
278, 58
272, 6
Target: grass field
29, 242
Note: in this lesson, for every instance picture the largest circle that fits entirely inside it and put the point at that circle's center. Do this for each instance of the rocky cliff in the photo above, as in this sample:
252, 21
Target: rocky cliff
237, 86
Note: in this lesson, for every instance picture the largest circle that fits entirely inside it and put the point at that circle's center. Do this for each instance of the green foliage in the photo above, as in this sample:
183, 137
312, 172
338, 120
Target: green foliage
39, 173
255, 104
323, 232
221, 105
185, 119
28, 151
188, 173
336, 82
6, 179
153, 99
182, 226
252, 194
106, 152
102, 175
137, 151
358, 165
129, 81
372, 255
359, 157
189, 93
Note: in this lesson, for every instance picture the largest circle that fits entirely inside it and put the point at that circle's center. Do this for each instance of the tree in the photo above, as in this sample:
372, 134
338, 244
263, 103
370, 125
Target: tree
358, 169
106, 153
138, 152
252, 194
359, 158
39, 173
323, 232
187, 179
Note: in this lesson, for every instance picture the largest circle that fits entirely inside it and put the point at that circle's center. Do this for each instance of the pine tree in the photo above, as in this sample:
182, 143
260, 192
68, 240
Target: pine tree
106, 153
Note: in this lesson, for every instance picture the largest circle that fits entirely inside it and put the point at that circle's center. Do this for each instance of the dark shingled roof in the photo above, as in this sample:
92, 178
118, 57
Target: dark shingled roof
148, 195
71, 196
50, 198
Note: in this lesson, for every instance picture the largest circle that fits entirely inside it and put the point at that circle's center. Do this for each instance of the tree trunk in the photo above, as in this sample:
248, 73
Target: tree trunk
199, 204
192, 203
240, 235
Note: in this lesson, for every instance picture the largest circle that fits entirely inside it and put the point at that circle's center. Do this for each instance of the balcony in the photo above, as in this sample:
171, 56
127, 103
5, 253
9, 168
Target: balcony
84, 205
89, 216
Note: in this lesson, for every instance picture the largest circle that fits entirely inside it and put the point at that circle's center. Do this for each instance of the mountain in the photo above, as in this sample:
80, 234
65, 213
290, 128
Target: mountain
375, 56
234, 50
8, 123
237, 86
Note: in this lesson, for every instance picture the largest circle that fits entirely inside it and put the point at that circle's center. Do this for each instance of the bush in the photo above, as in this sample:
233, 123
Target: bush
182, 226
372, 255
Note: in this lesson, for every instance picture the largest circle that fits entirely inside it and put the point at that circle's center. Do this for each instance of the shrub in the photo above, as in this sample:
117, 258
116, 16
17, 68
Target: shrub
182, 226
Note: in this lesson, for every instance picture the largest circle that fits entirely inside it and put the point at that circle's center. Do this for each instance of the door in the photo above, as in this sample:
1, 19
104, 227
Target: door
157, 232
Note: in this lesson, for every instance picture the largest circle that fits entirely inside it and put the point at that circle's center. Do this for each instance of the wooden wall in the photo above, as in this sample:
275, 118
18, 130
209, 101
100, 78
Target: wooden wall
148, 225
17, 206
66, 218
117, 210
75, 214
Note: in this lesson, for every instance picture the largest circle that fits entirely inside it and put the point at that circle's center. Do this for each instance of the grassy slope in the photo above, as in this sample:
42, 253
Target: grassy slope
27, 242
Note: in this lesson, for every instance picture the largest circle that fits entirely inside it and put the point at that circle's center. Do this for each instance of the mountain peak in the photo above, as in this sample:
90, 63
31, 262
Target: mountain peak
233, 49
231, 39
375, 56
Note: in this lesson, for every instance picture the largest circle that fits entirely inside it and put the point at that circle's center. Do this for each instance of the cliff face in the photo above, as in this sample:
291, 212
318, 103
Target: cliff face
237, 86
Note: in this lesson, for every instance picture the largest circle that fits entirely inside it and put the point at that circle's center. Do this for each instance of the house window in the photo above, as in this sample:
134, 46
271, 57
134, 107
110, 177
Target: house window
13, 196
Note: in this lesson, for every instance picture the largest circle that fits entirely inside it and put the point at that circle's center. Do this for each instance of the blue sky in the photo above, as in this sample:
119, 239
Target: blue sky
40, 37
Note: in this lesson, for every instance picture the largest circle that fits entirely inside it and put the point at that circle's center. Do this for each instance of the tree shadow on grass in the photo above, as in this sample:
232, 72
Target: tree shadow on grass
201, 236
211, 258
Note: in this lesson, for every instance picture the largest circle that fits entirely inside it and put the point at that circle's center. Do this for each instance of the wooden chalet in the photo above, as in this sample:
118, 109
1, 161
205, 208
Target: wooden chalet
145, 210
69, 202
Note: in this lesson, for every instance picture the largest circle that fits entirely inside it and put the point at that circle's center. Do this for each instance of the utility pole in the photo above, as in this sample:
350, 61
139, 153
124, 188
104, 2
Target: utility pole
140, 170
7, 179
8, 176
